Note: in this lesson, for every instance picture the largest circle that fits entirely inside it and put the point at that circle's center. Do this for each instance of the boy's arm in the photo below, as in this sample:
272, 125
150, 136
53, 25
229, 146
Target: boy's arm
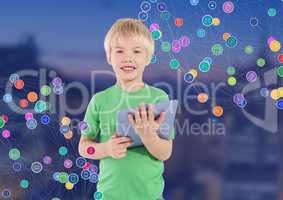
87, 143
158, 147
116, 147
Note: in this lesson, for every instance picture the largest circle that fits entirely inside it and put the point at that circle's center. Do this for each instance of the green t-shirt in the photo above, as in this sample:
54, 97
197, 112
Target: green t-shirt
138, 175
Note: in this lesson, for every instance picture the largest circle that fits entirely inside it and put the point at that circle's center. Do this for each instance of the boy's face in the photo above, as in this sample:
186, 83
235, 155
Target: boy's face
128, 57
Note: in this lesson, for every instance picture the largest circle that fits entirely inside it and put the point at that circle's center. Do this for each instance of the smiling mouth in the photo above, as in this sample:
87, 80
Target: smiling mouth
128, 68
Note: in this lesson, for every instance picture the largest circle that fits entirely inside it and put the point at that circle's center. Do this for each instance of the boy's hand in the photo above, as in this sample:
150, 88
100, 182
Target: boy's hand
116, 147
144, 122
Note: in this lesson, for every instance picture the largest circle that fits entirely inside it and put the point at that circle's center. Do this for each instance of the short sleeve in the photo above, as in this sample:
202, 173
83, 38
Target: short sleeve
164, 97
92, 119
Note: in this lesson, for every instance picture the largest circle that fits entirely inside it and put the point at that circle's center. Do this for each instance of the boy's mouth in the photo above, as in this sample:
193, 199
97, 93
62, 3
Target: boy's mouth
128, 68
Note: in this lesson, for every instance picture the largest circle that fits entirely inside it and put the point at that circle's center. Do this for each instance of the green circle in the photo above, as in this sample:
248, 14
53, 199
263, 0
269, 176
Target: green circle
165, 46
165, 15
271, 12
231, 42
260, 62
280, 71
249, 49
174, 64
55, 198
2, 122
63, 150
231, 71
24, 184
14, 154
232, 81
204, 66
63, 177
45, 90
156, 34
217, 49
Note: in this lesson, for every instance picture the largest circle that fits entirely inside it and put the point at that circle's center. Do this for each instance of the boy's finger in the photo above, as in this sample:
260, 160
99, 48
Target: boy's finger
137, 117
150, 113
143, 112
123, 139
131, 119
161, 118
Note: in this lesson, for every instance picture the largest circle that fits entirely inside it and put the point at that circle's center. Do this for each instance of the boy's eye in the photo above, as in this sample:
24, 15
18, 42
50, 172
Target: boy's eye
119, 51
137, 51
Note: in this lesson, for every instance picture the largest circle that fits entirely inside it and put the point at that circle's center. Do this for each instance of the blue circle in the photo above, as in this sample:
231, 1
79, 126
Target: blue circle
188, 77
264, 92
231, 42
279, 104
45, 119
6, 193
31, 123
201, 33
254, 21
58, 89
64, 129
55, 176
7, 98
142, 16
13, 78
161, 6
207, 20
80, 162
17, 166
212, 5
208, 59
153, 1
85, 174
242, 103
93, 178
73, 178
145, 6
194, 2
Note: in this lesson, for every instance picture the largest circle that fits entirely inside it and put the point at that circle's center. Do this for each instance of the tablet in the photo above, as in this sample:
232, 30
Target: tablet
124, 127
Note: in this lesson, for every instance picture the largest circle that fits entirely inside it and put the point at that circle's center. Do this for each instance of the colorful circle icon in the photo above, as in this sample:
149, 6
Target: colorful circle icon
228, 7
217, 49
207, 20
204, 66
212, 5
201, 33
145, 6
280, 71
36, 167
251, 76
188, 77
174, 64
217, 111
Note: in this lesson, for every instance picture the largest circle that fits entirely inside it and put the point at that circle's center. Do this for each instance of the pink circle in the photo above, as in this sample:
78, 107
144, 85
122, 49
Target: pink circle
270, 39
185, 41
47, 160
5, 118
6, 133
90, 150
228, 7
68, 163
154, 26
28, 116
86, 165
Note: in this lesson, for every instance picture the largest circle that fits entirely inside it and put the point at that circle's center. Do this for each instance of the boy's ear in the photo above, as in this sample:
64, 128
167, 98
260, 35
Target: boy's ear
108, 57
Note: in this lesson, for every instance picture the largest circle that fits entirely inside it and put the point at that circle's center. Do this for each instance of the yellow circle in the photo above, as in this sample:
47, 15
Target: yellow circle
66, 121
275, 46
280, 92
274, 94
69, 186
194, 72
226, 36
216, 21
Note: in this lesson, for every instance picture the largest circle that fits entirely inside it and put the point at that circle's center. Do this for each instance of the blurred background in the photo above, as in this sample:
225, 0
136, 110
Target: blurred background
65, 39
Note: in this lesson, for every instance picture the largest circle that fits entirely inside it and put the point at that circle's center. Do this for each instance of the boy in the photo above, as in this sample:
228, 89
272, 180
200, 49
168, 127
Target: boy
134, 173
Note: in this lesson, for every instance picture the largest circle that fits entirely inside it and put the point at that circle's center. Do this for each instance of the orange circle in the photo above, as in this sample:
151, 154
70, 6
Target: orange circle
19, 84
68, 135
202, 97
23, 103
32, 96
218, 111
226, 36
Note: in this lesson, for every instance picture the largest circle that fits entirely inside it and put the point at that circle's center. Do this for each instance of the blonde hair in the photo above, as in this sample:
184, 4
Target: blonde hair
129, 27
